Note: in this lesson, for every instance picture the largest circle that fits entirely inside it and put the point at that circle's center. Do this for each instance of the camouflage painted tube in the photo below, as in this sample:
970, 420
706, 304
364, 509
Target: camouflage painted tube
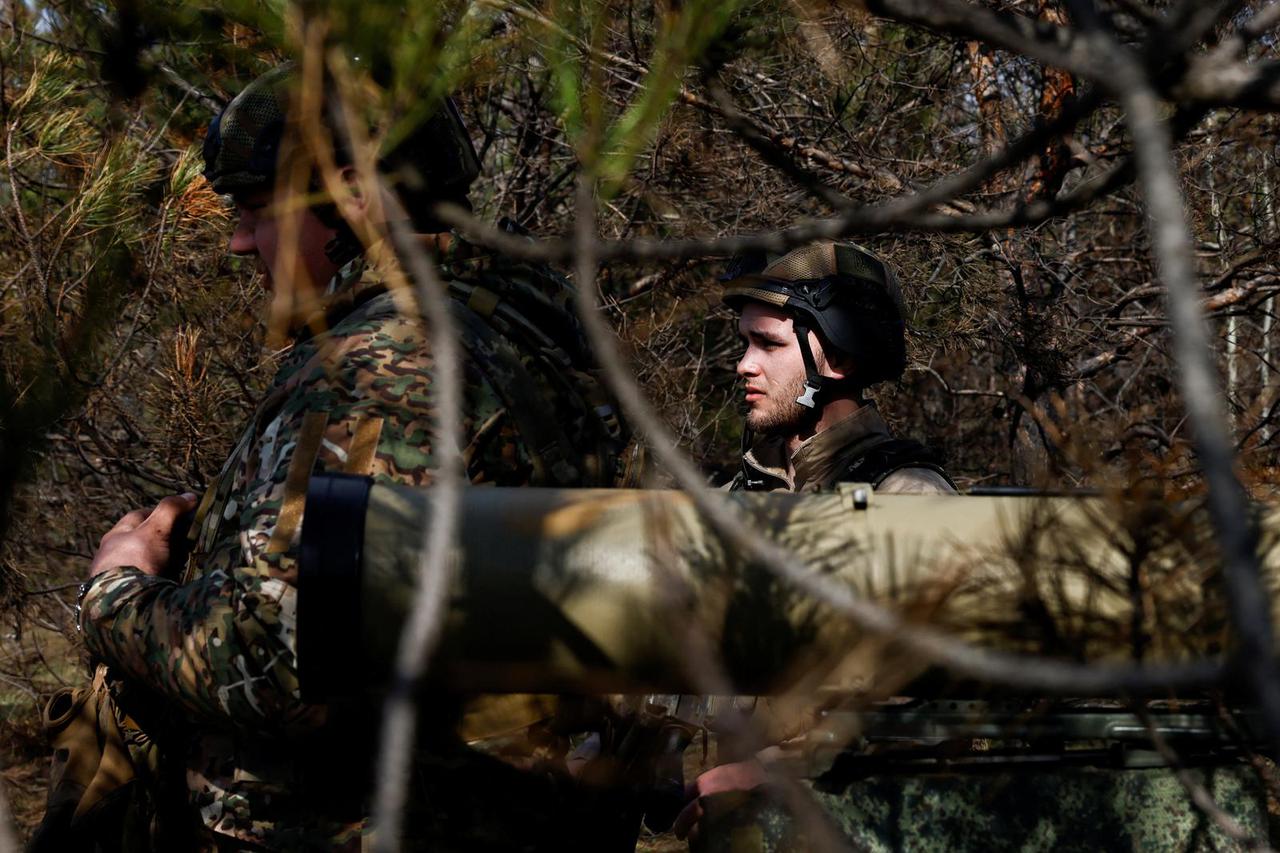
599, 591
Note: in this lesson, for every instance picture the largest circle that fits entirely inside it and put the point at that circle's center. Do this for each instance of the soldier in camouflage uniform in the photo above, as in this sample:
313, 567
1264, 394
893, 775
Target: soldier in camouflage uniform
739, 806
202, 658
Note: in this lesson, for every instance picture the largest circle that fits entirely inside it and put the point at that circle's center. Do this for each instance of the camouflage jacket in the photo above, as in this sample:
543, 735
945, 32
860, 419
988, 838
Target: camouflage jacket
217, 646
838, 454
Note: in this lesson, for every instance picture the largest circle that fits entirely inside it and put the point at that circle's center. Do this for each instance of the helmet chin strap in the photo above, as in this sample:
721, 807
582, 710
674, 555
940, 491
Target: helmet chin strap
813, 381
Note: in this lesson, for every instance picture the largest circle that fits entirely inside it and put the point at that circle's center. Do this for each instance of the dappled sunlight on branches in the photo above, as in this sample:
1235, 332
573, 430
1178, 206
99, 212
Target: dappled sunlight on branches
1079, 199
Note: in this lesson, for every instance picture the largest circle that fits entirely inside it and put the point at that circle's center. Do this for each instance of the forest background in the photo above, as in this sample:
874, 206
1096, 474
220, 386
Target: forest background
1040, 348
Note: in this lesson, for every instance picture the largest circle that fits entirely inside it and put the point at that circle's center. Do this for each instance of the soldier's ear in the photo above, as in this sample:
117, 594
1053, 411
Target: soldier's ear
832, 362
354, 204
839, 369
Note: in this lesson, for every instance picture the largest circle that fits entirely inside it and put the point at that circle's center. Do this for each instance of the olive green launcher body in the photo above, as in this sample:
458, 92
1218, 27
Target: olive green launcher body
609, 591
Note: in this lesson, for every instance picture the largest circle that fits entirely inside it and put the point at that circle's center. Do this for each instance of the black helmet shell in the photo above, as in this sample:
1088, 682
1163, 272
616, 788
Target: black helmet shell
841, 289
242, 145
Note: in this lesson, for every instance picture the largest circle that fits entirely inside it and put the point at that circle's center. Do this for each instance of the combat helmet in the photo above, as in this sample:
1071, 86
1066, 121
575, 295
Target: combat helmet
242, 145
838, 289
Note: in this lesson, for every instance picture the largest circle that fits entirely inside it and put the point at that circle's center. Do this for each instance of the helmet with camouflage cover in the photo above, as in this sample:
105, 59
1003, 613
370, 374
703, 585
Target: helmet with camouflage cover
242, 145
838, 289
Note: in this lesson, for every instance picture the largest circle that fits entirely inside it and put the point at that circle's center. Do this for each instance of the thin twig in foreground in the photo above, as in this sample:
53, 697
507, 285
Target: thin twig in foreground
425, 620
1197, 373
426, 617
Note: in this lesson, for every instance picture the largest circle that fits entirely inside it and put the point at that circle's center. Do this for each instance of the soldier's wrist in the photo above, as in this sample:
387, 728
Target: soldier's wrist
82, 592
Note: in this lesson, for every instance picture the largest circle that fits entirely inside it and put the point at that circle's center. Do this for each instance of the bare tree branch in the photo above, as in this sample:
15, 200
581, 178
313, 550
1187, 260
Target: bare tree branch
1228, 504
1049, 45
426, 619
908, 211
210, 103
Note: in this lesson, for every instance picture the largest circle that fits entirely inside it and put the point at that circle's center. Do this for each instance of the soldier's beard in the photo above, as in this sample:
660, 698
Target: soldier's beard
783, 415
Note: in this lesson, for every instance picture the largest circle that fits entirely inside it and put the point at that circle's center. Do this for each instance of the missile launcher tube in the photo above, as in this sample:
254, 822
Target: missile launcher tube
604, 591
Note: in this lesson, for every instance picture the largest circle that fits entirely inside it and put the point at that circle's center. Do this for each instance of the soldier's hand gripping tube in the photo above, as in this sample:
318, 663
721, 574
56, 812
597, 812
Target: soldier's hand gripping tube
603, 591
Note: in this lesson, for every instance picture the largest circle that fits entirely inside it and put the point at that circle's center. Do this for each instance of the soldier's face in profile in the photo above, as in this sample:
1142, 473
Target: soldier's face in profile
288, 241
773, 369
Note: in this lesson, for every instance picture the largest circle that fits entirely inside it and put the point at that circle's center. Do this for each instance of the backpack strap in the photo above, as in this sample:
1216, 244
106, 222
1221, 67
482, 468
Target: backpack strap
882, 455
747, 479
555, 460
517, 319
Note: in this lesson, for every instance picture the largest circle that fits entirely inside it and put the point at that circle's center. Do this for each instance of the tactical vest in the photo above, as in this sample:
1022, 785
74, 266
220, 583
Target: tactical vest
882, 456
871, 460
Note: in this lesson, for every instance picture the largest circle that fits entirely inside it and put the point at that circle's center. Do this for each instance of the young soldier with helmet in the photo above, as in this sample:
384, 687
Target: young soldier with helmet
199, 657
822, 324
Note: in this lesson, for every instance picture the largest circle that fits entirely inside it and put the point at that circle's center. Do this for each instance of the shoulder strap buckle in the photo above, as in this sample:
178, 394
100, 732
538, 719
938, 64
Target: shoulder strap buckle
858, 495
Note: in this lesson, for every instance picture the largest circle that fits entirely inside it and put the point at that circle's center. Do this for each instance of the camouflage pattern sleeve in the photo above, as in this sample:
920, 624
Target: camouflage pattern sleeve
222, 644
